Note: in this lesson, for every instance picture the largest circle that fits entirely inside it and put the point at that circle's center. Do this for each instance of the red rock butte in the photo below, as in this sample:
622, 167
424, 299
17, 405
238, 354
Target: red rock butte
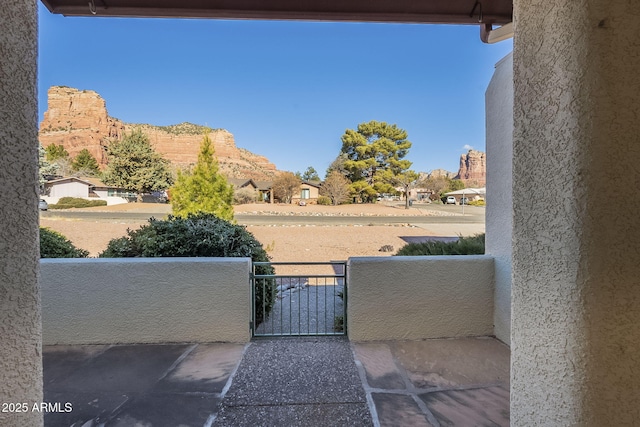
78, 119
473, 168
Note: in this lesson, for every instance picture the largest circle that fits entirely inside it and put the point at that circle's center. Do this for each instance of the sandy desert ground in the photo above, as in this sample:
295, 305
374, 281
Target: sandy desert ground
284, 243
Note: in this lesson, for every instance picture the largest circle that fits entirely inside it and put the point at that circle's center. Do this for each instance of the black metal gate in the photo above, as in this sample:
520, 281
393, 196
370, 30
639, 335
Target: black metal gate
299, 298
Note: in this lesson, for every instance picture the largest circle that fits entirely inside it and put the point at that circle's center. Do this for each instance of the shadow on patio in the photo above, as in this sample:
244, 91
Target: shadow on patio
315, 381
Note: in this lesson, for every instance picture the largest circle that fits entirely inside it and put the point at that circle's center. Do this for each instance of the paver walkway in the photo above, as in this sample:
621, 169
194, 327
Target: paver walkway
137, 385
320, 381
436, 383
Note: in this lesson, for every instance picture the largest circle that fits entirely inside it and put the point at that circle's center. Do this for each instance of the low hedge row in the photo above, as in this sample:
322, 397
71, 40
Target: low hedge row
76, 202
55, 245
473, 245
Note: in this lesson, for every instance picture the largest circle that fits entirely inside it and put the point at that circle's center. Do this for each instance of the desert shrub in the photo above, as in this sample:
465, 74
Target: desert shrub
244, 195
76, 202
197, 235
55, 245
324, 200
477, 203
473, 245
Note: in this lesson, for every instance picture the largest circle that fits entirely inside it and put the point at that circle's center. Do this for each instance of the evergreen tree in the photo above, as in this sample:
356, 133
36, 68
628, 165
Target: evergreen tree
46, 169
57, 155
203, 189
338, 165
455, 185
135, 166
310, 175
84, 163
54, 152
374, 153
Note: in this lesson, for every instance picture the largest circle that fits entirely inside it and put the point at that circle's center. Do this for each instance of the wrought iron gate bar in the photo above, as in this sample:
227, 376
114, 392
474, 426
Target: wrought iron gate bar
305, 304
299, 263
298, 276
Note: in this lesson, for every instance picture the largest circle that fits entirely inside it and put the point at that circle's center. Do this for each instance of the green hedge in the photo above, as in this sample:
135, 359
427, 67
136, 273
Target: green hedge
76, 202
473, 245
55, 245
200, 235
324, 200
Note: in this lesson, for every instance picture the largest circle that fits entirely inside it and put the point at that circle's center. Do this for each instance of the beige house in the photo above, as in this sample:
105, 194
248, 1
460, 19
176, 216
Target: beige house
261, 188
471, 194
68, 187
85, 188
309, 192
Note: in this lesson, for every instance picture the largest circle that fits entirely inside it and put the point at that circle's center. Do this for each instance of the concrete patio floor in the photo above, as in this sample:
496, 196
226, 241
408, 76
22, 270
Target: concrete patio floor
313, 381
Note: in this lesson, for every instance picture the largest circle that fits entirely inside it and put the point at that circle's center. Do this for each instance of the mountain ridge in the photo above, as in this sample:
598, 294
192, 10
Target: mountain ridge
78, 119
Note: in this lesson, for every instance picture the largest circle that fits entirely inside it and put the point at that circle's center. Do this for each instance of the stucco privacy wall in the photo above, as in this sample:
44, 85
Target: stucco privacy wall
145, 300
499, 125
576, 287
395, 298
20, 348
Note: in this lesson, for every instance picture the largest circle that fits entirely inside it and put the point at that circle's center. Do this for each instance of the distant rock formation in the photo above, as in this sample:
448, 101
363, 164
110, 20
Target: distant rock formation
473, 168
438, 173
78, 119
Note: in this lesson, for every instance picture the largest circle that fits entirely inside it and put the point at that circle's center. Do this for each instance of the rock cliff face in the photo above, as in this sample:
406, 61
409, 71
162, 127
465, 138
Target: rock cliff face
473, 168
79, 119
438, 173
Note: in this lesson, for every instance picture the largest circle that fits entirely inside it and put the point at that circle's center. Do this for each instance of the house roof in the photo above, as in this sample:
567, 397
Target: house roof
97, 183
264, 185
89, 181
69, 179
409, 11
468, 191
241, 182
316, 184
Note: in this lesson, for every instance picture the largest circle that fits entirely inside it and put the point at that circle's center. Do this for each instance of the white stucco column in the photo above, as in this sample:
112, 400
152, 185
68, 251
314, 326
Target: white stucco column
499, 223
576, 255
20, 329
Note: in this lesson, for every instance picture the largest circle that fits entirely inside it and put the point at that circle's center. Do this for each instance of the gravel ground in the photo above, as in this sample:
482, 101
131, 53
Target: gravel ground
296, 383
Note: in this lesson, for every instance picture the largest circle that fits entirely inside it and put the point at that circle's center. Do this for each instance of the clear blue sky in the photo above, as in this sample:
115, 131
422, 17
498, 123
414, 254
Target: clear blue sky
286, 90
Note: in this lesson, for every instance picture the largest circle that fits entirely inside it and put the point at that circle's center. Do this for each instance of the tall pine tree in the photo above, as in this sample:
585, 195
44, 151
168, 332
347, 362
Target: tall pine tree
203, 189
372, 154
85, 164
135, 166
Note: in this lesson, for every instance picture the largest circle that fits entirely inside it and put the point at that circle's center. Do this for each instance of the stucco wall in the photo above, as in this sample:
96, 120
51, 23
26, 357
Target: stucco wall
395, 298
145, 300
69, 189
499, 222
20, 347
576, 288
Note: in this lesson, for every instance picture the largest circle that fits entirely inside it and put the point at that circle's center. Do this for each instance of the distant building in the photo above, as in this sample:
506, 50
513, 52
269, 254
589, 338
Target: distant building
309, 192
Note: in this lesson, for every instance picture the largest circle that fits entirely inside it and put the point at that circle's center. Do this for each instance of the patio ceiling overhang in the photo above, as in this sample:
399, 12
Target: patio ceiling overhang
488, 12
